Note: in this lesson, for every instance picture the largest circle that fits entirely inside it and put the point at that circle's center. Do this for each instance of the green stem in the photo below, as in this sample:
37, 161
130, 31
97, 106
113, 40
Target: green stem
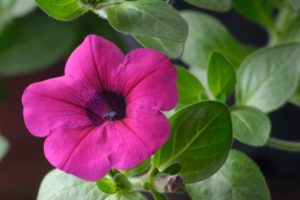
284, 145
158, 196
282, 22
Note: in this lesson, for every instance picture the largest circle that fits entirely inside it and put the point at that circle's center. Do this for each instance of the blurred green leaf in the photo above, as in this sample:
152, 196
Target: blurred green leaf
206, 34
250, 125
57, 186
16, 8
200, 140
259, 11
62, 9
216, 5
129, 196
269, 77
221, 76
238, 179
292, 33
171, 48
34, 43
4, 146
296, 3
10, 9
152, 22
189, 87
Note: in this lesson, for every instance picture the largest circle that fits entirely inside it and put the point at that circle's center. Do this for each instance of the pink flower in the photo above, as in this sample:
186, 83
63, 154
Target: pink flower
105, 112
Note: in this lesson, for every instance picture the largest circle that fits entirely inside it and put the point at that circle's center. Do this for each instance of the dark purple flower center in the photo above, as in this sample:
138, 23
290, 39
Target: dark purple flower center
106, 106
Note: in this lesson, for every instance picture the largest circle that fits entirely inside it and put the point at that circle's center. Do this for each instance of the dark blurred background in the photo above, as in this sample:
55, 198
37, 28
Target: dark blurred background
24, 166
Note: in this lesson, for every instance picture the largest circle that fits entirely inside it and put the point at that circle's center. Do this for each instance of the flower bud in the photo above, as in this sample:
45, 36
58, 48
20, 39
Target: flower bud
164, 183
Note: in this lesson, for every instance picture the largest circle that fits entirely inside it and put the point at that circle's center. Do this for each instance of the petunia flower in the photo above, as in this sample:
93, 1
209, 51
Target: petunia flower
106, 111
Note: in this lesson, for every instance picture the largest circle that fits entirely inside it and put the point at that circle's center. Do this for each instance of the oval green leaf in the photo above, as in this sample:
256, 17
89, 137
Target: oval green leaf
250, 125
206, 34
200, 140
221, 76
62, 9
189, 87
238, 179
153, 18
172, 48
107, 185
269, 77
216, 5
57, 186
43, 41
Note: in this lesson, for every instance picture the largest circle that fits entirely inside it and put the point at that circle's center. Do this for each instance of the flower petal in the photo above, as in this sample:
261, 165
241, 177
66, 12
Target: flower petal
79, 152
150, 79
135, 139
95, 61
55, 103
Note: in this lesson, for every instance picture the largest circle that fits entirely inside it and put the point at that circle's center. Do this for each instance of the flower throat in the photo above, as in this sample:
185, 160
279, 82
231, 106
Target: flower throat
106, 105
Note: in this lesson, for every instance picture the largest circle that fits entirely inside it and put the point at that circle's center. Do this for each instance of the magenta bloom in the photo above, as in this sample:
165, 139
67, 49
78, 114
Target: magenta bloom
105, 112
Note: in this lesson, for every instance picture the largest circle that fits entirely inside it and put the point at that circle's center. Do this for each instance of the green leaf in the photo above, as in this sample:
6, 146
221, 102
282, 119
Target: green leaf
140, 169
62, 9
43, 41
269, 77
292, 33
4, 145
200, 140
250, 125
238, 179
16, 8
221, 76
296, 4
259, 11
57, 186
153, 18
171, 48
10, 9
129, 196
107, 185
206, 34
216, 5
189, 87
173, 169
